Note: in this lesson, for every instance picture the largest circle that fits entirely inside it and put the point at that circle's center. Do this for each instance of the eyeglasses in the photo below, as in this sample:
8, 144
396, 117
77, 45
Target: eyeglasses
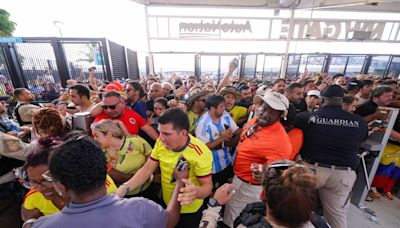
112, 107
47, 175
128, 90
24, 180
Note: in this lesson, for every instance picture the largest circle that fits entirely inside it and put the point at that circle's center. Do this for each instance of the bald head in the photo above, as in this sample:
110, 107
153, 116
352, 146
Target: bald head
155, 91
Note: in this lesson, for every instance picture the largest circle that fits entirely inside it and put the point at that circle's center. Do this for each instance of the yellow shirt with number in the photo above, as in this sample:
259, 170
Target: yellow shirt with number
200, 160
131, 157
238, 112
34, 199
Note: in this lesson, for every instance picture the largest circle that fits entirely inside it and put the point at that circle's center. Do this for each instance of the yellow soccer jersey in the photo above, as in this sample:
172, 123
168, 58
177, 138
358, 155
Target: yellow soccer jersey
34, 199
193, 117
238, 112
199, 158
131, 157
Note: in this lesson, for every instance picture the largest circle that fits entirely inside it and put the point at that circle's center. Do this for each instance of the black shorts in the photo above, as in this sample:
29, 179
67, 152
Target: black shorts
222, 177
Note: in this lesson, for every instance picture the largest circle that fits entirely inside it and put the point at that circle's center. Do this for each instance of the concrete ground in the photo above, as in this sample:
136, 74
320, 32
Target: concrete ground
387, 214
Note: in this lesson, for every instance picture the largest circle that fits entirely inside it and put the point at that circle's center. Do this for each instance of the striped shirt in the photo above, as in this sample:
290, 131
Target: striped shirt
208, 131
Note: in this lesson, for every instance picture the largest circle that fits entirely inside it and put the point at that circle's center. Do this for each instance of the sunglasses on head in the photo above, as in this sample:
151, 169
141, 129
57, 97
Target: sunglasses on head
276, 169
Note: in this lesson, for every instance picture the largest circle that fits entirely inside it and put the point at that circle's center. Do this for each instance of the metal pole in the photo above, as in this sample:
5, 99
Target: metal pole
150, 59
290, 34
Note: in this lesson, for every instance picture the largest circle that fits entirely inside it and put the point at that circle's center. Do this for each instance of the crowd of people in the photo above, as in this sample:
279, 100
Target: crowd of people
190, 153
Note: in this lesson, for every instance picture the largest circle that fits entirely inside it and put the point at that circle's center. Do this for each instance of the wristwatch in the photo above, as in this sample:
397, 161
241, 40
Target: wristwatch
213, 203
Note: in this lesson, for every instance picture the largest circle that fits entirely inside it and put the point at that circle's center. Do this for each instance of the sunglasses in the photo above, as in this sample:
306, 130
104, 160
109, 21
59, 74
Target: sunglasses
112, 107
252, 130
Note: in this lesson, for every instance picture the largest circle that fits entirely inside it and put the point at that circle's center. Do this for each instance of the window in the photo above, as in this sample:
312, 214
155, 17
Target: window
378, 65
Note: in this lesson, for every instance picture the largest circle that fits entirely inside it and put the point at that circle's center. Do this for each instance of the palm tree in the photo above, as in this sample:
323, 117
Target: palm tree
7, 27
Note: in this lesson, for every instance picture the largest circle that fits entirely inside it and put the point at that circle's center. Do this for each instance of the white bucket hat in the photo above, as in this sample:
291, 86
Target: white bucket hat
275, 100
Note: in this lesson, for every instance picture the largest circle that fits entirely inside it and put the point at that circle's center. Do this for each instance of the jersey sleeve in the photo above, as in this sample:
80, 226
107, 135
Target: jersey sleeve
29, 200
139, 119
201, 133
204, 165
146, 148
155, 153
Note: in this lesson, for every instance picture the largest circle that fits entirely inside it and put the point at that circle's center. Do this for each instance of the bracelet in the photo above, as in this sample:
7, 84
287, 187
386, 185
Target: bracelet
29, 221
127, 189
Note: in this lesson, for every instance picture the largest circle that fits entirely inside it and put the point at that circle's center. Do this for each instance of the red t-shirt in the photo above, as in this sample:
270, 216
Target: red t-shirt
131, 120
269, 143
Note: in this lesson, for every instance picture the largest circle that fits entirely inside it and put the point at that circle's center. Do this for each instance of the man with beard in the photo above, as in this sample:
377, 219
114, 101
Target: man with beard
263, 141
218, 131
279, 85
247, 97
196, 106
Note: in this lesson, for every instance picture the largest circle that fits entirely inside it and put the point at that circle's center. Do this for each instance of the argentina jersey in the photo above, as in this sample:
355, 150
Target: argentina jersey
208, 131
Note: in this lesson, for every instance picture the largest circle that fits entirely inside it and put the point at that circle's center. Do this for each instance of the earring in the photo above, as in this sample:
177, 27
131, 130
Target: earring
59, 193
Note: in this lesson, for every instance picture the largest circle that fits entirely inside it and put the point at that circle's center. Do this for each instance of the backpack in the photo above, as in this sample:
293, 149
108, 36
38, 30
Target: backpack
253, 215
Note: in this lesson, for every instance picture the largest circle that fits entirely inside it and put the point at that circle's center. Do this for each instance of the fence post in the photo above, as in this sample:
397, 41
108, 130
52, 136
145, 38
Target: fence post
60, 61
107, 62
14, 68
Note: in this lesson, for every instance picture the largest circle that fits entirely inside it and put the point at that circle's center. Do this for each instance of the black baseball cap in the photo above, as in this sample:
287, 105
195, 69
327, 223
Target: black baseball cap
333, 91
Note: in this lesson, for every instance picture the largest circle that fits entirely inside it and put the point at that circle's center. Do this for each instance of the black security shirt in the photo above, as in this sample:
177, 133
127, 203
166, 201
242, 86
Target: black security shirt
332, 136
366, 109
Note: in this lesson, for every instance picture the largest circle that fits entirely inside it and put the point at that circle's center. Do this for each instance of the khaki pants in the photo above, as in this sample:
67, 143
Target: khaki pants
334, 189
244, 194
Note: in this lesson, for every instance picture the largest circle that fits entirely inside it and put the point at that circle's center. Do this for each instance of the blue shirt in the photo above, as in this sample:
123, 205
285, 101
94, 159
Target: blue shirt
108, 211
140, 107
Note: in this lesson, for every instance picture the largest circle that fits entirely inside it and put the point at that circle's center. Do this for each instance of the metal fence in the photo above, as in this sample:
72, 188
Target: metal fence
5, 79
39, 62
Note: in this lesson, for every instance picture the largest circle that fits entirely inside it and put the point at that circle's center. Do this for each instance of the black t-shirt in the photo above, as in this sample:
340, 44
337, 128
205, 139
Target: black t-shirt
301, 107
366, 109
244, 103
332, 136
150, 105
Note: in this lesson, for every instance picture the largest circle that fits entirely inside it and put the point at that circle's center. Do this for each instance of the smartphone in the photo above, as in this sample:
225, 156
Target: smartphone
71, 107
235, 62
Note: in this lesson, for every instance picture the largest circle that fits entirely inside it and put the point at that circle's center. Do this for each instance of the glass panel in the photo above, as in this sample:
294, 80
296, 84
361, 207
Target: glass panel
209, 67
354, 65
337, 65
174, 64
378, 65
293, 65
315, 64
303, 64
225, 60
272, 67
260, 66
250, 66
394, 68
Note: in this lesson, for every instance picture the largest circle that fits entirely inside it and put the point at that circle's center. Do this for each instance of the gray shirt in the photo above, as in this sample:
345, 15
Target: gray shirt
108, 211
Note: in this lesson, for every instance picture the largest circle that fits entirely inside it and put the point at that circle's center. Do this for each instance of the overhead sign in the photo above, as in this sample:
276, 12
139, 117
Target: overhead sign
10, 39
213, 28
165, 27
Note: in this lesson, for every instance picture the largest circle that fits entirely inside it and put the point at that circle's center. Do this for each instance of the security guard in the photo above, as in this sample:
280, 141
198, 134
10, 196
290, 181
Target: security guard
332, 138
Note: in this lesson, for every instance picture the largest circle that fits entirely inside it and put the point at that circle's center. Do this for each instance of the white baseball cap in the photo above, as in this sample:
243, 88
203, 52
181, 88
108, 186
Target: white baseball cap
314, 93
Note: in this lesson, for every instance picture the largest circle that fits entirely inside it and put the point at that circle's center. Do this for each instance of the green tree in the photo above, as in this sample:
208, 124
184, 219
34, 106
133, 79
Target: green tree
7, 27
